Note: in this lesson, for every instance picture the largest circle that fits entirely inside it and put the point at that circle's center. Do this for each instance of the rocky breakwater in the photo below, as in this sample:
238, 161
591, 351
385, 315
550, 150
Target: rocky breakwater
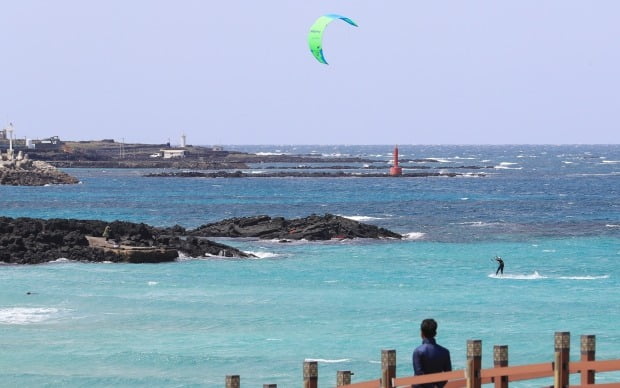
314, 227
35, 241
21, 171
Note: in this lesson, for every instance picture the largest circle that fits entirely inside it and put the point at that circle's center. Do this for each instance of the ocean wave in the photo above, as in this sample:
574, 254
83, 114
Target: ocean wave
414, 235
361, 218
612, 226
533, 276
613, 173
152, 283
61, 260
26, 315
610, 161
507, 166
478, 223
328, 361
184, 257
263, 255
584, 277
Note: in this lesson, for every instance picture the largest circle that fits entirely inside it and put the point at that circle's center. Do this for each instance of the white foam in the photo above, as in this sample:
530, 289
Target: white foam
183, 257
584, 277
478, 223
533, 276
61, 260
612, 226
360, 218
611, 161
414, 235
151, 283
26, 315
328, 361
507, 166
440, 160
263, 255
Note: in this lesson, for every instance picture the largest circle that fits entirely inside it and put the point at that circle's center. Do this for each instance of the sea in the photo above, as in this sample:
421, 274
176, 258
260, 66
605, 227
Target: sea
551, 211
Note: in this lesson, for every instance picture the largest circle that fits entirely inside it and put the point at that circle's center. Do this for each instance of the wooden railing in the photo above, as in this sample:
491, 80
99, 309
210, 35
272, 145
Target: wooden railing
474, 376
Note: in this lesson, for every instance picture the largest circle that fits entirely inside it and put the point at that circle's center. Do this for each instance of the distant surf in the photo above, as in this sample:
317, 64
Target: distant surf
584, 277
361, 218
414, 235
328, 361
537, 276
26, 315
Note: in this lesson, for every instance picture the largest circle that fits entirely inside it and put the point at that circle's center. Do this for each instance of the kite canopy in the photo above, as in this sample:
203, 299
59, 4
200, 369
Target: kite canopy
315, 37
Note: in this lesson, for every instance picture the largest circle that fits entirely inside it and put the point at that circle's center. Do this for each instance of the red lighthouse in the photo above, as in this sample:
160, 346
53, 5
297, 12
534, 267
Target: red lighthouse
395, 170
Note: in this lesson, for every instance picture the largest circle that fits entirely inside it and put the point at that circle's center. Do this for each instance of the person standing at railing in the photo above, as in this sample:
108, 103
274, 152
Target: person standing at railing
430, 357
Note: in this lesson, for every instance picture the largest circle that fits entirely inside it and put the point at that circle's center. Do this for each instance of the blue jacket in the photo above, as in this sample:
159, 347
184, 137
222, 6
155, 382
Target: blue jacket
431, 358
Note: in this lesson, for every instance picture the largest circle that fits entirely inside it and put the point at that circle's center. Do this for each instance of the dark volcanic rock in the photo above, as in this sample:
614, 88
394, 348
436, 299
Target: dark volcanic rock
34, 241
313, 227
36, 173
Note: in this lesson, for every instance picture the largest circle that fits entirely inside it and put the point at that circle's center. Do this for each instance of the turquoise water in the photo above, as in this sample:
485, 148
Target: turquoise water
552, 212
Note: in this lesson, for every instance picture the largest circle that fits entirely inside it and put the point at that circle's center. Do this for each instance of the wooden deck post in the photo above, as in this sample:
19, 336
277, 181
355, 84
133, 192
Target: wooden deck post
233, 381
500, 360
343, 377
388, 367
588, 349
562, 358
311, 374
474, 363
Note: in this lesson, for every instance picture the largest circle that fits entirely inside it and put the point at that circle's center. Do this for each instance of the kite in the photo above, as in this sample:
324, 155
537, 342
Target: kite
315, 37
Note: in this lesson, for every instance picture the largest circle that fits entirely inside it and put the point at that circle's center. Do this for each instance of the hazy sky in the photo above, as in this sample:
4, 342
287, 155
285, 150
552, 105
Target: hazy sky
240, 71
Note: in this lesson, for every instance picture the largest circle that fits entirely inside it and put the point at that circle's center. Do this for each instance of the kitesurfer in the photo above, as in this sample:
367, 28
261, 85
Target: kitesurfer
500, 267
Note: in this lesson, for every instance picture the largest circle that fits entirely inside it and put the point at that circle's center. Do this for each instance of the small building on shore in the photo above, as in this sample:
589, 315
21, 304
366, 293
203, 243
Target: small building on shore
172, 153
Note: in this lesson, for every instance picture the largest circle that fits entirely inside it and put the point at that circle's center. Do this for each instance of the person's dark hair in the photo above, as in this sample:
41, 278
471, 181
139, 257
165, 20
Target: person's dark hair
429, 328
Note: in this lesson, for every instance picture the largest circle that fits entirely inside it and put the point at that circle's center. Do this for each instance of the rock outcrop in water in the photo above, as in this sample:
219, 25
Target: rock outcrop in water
21, 171
311, 228
34, 241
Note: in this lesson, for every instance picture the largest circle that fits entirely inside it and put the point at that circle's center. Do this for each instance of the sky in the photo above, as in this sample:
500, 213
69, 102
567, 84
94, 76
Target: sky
241, 72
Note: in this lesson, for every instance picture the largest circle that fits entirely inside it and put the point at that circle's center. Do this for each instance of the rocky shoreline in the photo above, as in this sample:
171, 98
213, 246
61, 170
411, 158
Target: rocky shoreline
36, 241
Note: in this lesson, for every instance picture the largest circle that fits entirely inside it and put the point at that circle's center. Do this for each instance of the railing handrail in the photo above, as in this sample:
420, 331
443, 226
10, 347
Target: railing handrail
474, 376
456, 378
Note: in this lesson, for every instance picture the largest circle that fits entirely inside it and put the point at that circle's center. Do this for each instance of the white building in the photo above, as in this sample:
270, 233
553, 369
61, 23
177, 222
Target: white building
171, 154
